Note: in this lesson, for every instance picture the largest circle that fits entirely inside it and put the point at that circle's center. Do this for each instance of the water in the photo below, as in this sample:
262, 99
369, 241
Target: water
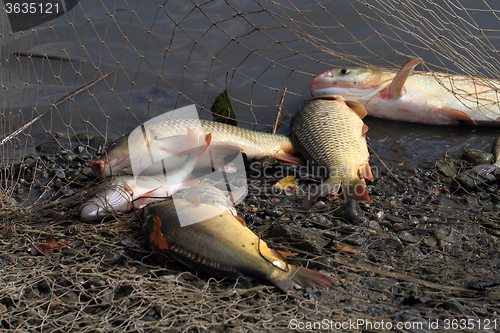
175, 55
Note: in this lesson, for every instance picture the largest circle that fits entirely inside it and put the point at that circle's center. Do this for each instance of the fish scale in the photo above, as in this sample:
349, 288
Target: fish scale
330, 132
253, 143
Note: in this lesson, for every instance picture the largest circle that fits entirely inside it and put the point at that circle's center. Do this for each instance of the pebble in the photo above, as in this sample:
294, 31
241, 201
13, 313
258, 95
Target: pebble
351, 212
412, 251
429, 241
49, 147
355, 240
394, 219
407, 237
448, 168
478, 157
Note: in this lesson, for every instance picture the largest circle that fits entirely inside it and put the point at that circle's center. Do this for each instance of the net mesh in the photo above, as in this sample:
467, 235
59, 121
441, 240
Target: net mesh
73, 84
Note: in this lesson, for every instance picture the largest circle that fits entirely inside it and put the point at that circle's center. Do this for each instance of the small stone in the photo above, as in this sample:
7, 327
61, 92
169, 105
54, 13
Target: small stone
80, 149
407, 237
87, 171
351, 212
394, 219
84, 137
97, 143
448, 168
412, 251
374, 225
477, 157
50, 147
466, 181
355, 240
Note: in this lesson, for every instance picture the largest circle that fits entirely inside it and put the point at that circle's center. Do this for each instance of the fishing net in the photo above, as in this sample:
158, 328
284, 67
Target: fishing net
77, 82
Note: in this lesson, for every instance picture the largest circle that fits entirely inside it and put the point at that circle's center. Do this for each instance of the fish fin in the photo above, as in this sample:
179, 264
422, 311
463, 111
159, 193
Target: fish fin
399, 80
241, 220
355, 189
365, 172
358, 108
98, 169
217, 153
364, 130
303, 277
175, 145
196, 141
195, 199
458, 115
288, 158
283, 254
156, 240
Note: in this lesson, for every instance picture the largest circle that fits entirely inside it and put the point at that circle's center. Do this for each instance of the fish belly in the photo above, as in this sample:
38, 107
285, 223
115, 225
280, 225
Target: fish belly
434, 99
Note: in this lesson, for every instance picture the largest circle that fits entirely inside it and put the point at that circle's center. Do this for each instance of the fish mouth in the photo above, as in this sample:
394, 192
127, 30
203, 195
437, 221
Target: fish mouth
98, 169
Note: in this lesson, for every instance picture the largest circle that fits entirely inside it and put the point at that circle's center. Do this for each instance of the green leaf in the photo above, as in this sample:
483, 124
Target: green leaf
222, 109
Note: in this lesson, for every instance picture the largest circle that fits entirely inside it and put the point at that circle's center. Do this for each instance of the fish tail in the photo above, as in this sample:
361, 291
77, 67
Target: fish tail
355, 189
303, 277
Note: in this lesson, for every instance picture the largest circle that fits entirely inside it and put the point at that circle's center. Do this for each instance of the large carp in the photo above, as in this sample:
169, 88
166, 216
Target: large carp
167, 139
220, 244
329, 131
407, 95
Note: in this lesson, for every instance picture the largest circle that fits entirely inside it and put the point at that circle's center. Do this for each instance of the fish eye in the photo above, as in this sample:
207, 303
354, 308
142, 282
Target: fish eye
344, 71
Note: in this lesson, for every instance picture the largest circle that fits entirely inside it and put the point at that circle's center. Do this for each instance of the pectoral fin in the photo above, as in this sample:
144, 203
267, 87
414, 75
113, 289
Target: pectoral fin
358, 108
288, 158
399, 80
175, 145
458, 115
241, 220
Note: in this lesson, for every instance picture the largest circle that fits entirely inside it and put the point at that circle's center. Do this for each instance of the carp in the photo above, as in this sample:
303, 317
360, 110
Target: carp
167, 140
218, 243
329, 131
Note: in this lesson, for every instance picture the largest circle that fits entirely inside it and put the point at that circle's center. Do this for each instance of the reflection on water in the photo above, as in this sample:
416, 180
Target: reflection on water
400, 142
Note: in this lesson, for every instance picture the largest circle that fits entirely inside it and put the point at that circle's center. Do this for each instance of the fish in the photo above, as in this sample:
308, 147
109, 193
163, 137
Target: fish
166, 140
329, 131
221, 245
414, 96
123, 194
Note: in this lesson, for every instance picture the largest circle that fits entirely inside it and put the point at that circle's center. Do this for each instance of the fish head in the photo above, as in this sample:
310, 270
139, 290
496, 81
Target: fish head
357, 84
115, 161
109, 199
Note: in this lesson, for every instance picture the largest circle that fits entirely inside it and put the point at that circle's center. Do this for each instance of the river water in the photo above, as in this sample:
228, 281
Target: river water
169, 56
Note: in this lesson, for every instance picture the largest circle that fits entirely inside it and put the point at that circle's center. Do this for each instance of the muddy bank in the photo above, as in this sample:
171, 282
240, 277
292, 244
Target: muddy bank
423, 252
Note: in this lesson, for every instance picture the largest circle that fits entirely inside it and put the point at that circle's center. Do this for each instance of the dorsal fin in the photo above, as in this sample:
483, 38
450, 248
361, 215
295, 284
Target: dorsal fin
399, 80
358, 108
